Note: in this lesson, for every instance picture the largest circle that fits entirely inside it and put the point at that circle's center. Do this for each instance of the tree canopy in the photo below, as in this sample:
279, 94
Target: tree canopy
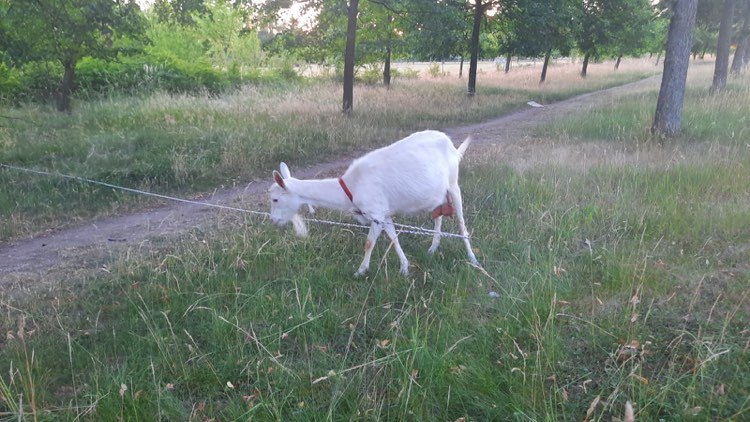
216, 44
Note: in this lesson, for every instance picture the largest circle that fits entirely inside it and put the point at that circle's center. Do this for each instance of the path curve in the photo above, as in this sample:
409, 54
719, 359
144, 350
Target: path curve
25, 261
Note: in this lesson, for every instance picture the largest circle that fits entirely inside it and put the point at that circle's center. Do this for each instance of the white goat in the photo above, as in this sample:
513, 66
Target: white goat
416, 174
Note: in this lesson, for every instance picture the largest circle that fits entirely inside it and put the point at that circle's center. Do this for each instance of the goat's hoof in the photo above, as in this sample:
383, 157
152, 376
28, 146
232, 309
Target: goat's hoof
360, 273
404, 271
432, 250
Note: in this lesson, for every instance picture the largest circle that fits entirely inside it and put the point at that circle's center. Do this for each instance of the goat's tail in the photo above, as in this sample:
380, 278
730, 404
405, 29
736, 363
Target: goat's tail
462, 148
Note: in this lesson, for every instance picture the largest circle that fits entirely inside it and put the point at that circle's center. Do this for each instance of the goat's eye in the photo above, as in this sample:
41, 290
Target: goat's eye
275, 200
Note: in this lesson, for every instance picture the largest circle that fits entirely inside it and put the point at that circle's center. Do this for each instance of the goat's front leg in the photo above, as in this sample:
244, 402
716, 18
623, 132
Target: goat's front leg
376, 227
390, 229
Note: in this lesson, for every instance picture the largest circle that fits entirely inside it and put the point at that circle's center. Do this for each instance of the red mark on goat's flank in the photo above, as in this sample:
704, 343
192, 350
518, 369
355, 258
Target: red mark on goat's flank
368, 245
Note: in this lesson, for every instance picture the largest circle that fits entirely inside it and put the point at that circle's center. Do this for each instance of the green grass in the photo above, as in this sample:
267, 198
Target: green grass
706, 118
625, 281
185, 145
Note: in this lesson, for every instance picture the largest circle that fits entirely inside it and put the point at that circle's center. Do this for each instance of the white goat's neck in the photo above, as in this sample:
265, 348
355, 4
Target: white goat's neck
325, 193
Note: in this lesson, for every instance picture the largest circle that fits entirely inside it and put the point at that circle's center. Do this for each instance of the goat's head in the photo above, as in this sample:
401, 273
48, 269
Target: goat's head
285, 204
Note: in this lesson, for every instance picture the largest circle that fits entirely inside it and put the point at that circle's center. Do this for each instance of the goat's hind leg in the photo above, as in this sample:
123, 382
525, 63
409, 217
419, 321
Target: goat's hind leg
436, 236
455, 194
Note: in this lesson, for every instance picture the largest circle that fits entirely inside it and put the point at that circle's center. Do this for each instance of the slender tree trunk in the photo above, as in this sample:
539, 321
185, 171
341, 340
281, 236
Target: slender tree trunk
617, 63
668, 116
507, 62
65, 89
658, 58
478, 15
585, 67
387, 68
721, 67
351, 34
742, 53
544, 66
461, 68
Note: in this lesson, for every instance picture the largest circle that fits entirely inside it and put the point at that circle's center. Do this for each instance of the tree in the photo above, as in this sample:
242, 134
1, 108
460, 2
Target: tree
541, 28
67, 30
178, 11
636, 32
435, 30
721, 68
480, 7
381, 33
742, 53
668, 116
605, 27
351, 34
222, 29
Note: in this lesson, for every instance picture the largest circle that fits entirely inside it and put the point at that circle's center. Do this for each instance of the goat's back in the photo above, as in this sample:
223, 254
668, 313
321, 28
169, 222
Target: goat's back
409, 176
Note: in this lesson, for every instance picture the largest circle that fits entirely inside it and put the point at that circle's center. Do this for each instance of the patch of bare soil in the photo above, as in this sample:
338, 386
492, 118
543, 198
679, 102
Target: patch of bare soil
48, 260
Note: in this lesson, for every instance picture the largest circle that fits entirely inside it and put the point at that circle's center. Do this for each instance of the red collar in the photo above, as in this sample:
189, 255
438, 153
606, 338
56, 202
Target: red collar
346, 190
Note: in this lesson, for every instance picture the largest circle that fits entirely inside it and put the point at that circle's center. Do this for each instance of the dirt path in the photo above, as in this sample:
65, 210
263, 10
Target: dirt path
24, 263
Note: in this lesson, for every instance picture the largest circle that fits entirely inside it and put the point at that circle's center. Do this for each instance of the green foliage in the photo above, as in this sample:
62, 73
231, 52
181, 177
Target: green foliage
540, 27
372, 75
10, 83
66, 31
221, 29
704, 39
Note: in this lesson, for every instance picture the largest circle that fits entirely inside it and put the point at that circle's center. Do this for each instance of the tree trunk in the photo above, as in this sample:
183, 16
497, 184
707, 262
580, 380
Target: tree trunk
617, 63
461, 68
387, 68
721, 67
478, 15
585, 67
544, 66
62, 97
658, 58
668, 116
507, 62
742, 53
351, 34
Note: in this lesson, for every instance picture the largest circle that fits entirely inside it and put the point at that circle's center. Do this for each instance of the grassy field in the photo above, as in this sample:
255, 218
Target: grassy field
188, 145
617, 279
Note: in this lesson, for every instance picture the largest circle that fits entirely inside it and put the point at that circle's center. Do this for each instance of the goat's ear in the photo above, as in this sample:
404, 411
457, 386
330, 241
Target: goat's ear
285, 171
278, 179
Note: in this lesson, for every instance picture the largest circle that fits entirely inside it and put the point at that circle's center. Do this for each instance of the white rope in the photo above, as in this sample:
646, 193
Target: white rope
403, 228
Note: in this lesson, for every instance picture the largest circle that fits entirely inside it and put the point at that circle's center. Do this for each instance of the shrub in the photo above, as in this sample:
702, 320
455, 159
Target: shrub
372, 75
434, 70
10, 83
405, 73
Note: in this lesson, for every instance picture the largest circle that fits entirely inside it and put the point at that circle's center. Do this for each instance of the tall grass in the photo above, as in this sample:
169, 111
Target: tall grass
624, 280
186, 144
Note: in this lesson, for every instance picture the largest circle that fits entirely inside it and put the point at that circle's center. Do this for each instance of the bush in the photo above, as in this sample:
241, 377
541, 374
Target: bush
96, 76
40, 80
10, 83
405, 73
371, 76
434, 70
